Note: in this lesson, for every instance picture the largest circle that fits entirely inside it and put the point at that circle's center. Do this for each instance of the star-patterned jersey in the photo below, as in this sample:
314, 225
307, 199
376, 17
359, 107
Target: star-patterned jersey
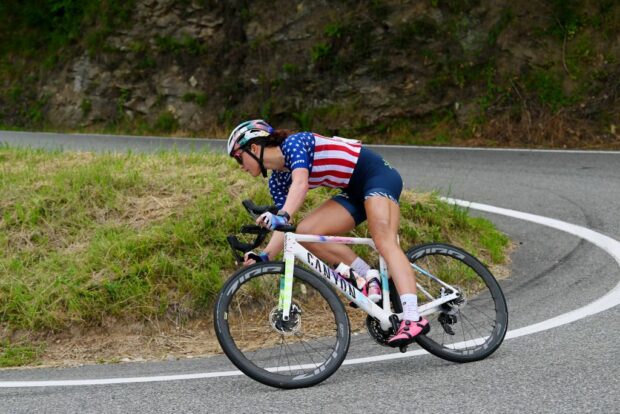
330, 162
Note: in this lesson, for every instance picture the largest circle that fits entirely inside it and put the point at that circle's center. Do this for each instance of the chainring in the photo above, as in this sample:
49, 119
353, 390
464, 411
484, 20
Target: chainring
376, 332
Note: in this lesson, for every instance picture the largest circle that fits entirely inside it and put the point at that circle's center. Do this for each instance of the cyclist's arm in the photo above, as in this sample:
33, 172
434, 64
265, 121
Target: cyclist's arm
294, 200
275, 245
297, 191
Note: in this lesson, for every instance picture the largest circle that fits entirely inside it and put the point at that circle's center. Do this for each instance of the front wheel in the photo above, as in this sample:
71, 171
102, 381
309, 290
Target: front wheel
300, 352
471, 327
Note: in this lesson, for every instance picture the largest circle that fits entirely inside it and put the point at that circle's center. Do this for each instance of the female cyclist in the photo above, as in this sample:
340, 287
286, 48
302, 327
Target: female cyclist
370, 189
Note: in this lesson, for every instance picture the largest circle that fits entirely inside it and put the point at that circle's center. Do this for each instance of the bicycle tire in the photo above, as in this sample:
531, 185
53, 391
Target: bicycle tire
481, 318
318, 308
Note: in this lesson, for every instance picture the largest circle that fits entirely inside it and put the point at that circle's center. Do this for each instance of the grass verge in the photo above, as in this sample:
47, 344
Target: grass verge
89, 241
12, 355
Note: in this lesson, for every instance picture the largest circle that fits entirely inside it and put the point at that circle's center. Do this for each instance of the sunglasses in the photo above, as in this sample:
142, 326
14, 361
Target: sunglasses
237, 155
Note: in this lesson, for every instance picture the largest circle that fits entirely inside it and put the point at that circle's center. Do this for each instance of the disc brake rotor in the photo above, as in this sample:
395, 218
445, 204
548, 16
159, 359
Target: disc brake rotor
290, 327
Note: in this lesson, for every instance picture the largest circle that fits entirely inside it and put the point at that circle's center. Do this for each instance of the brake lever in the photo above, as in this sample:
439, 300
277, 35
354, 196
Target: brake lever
238, 246
255, 211
255, 257
261, 232
234, 242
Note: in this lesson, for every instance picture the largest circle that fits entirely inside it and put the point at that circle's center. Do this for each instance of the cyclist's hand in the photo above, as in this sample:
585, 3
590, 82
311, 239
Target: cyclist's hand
250, 258
271, 221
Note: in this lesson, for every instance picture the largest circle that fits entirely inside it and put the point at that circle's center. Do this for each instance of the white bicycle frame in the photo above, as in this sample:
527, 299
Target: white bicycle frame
293, 249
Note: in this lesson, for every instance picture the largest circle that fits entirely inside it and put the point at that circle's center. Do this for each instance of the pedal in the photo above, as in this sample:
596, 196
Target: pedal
395, 322
446, 321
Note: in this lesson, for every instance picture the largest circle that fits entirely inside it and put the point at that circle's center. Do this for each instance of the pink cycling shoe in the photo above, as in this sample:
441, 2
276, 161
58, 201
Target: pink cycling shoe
408, 331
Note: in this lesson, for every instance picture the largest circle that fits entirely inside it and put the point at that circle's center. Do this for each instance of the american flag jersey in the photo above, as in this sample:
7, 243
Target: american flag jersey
329, 161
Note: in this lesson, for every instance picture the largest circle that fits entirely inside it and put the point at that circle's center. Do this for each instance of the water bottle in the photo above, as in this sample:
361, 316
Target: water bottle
347, 273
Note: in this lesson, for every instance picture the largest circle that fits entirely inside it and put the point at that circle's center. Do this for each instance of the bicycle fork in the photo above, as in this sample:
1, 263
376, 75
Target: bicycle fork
286, 280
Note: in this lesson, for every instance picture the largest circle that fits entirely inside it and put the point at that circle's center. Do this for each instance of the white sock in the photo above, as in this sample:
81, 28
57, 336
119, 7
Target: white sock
360, 267
410, 307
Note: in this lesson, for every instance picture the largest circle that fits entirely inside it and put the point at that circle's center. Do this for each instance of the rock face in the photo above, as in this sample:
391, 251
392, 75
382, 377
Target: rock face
335, 65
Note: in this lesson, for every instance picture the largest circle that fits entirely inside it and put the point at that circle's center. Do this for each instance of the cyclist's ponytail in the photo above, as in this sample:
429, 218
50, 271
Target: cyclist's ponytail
275, 139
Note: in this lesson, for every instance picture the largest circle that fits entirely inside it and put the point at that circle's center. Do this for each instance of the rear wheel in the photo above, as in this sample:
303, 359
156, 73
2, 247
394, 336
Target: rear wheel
300, 352
471, 327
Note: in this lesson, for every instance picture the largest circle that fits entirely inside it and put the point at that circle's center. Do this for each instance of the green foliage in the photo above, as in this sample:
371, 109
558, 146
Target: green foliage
175, 46
199, 98
547, 86
232, 89
124, 96
304, 120
425, 218
86, 237
86, 105
266, 109
34, 113
379, 9
334, 30
166, 122
412, 33
493, 90
347, 41
290, 68
33, 26
320, 51
15, 93
15, 355
227, 118
439, 49
456, 6
504, 21
147, 62
567, 17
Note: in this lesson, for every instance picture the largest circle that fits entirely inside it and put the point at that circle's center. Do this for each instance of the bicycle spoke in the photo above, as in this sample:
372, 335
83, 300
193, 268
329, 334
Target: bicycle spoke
298, 349
476, 313
313, 348
310, 355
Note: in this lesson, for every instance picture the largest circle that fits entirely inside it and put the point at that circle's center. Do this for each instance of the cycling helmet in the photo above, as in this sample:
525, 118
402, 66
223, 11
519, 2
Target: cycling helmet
246, 132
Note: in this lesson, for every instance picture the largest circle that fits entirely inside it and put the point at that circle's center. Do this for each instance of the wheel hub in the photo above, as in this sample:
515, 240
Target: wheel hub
290, 327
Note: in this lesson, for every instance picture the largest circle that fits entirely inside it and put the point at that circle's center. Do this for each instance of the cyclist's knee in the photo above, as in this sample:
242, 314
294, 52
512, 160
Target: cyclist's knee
305, 227
379, 224
385, 242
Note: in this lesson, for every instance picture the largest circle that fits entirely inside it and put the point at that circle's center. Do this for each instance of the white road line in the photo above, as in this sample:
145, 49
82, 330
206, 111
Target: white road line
611, 299
534, 150
611, 246
222, 141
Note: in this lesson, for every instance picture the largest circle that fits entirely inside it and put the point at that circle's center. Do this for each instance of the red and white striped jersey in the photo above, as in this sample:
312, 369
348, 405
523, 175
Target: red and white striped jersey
330, 162
334, 161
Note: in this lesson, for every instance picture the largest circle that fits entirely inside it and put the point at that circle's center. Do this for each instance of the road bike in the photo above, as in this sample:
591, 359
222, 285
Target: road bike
283, 323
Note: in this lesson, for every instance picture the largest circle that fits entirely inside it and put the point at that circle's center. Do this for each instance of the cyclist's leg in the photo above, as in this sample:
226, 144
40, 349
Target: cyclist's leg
380, 187
383, 215
332, 219
383, 218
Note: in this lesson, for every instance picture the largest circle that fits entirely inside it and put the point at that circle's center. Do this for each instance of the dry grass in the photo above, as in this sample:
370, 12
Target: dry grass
112, 257
545, 130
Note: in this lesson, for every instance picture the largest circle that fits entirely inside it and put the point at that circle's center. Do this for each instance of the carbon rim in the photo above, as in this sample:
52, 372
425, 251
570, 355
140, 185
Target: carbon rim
471, 327
302, 351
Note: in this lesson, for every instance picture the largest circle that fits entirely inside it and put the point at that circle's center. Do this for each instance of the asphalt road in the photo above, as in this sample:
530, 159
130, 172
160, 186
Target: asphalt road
571, 368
